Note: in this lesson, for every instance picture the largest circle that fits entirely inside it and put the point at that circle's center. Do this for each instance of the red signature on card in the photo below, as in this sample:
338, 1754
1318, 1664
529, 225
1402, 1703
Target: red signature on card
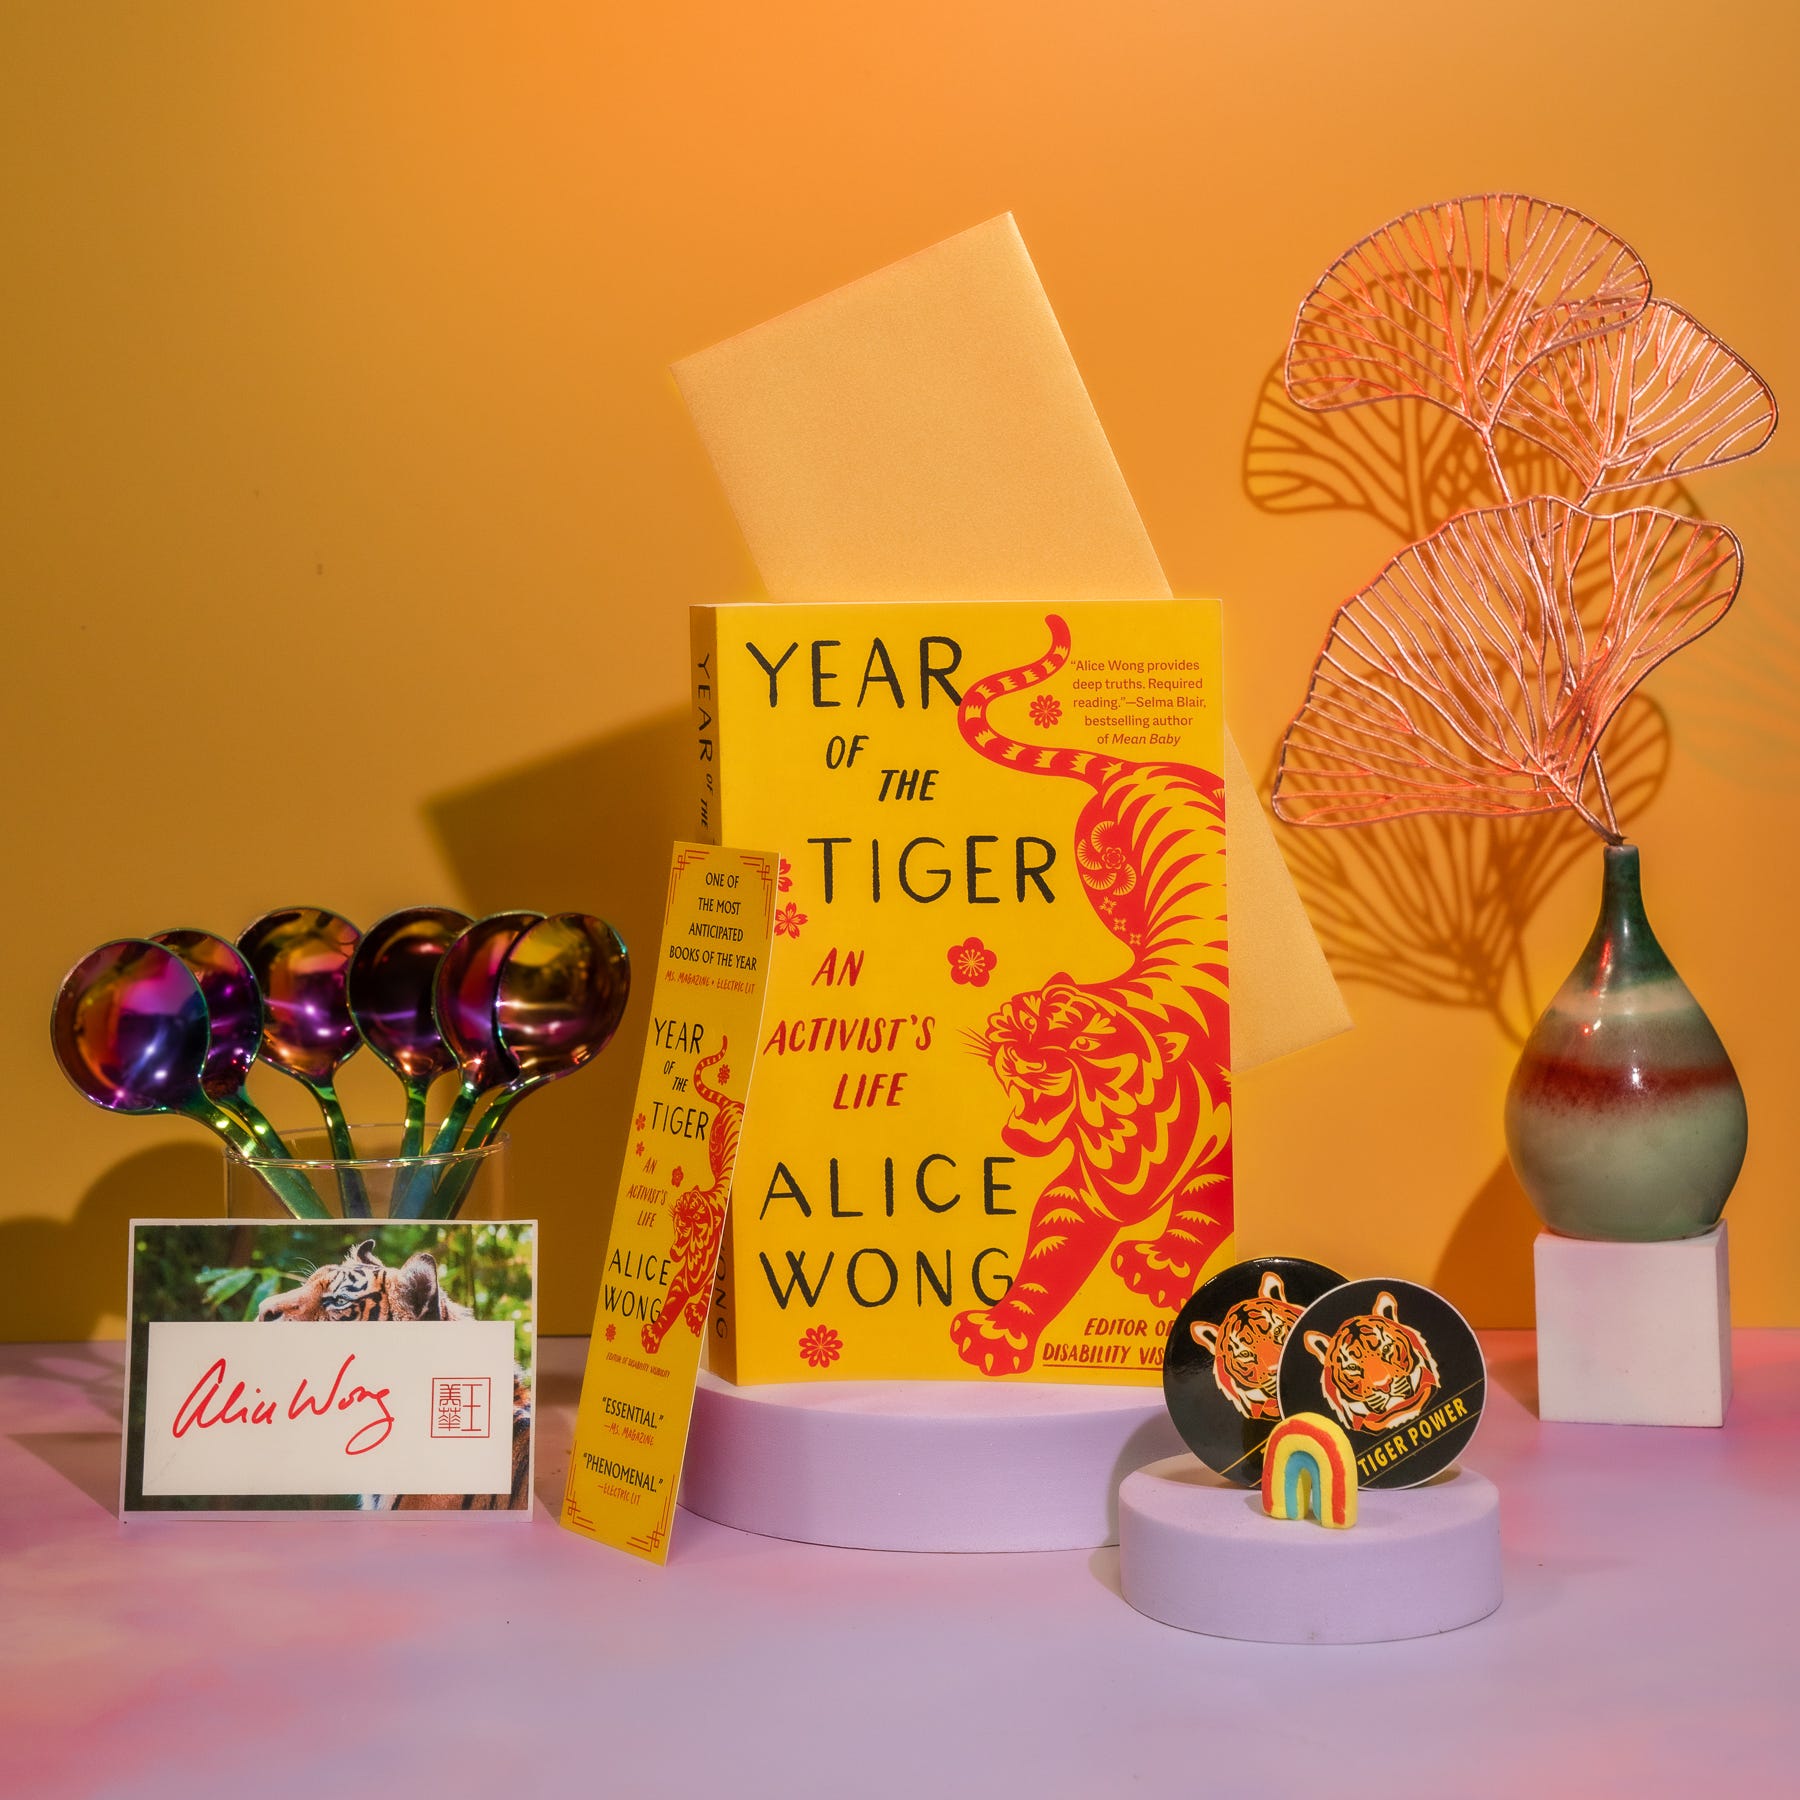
203, 1408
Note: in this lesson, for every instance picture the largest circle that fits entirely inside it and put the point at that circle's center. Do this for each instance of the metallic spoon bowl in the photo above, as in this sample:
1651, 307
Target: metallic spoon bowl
468, 990
391, 993
468, 980
300, 956
130, 1030
559, 996
234, 1012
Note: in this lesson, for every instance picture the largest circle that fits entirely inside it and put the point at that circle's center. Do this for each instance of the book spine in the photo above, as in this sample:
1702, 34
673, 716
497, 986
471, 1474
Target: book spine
703, 636
709, 794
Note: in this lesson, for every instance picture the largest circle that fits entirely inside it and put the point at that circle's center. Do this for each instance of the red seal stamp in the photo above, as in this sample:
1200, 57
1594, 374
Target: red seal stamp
460, 1406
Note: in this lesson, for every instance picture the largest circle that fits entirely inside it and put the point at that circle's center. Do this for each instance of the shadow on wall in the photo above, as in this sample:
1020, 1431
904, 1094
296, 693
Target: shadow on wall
587, 830
1437, 908
1485, 1271
78, 1265
1408, 465
1734, 690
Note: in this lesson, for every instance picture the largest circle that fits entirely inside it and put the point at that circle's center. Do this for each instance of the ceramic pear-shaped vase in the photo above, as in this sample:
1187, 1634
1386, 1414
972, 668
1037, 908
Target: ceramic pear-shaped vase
1625, 1119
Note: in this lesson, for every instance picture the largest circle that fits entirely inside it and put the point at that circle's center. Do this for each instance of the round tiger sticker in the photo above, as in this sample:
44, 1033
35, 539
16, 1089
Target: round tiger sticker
1398, 1367
1220, 1364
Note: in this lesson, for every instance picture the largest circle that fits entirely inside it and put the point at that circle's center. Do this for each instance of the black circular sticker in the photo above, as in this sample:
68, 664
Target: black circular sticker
1398, 1367
1219, 1368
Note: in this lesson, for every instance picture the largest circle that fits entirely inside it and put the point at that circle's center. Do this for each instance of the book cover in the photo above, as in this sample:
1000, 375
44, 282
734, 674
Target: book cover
993, 1124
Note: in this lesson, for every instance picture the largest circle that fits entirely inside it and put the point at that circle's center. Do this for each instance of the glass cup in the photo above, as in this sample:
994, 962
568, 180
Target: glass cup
378, 1183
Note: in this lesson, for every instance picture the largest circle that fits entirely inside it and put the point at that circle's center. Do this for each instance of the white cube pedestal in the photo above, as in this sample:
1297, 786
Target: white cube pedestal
1633, 1334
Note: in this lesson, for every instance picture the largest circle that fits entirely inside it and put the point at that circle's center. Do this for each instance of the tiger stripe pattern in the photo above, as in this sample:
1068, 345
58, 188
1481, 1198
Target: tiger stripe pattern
699, 1213
1123, 1080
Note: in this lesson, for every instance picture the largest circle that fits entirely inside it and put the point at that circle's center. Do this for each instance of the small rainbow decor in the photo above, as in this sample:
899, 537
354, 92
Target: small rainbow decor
1308, 1466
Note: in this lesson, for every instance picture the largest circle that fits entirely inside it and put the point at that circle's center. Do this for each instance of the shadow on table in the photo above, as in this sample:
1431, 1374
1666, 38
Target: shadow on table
88, 1460
559, 1388
1516, 1372
1154, 1439
1103, 1565
95, 1371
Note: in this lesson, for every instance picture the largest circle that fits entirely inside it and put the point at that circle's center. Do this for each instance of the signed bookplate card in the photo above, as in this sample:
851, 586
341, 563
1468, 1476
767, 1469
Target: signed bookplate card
224, 1416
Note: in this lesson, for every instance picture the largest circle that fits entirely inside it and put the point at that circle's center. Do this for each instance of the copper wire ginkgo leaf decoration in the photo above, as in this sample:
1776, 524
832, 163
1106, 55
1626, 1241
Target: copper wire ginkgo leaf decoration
1449, 303
1660, 398
1470, 676
1477, 672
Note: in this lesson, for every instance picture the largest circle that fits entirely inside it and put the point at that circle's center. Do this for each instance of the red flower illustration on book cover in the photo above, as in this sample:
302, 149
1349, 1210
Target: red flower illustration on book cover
1118, 1079
971, 962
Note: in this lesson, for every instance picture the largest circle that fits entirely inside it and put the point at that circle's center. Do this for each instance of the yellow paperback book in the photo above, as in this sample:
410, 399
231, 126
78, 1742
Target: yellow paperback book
992, 1132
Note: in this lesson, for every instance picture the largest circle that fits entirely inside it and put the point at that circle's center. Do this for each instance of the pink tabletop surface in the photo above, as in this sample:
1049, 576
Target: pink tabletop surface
1649, 1642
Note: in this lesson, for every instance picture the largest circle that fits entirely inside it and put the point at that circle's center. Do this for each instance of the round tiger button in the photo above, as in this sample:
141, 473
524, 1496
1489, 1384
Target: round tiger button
1398, 1367
1224, 1350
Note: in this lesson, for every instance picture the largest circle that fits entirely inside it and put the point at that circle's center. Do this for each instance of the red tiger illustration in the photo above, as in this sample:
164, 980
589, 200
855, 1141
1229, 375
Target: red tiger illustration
1377, 1373
700, 1214
1124, 1079
1246, 1344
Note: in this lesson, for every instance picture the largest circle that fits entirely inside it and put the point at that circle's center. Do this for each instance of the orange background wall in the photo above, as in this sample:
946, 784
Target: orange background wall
351, 517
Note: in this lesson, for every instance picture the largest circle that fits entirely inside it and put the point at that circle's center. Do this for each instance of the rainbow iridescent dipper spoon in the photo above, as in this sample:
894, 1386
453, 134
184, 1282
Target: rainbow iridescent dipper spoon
391, 993
300, 956
559, 996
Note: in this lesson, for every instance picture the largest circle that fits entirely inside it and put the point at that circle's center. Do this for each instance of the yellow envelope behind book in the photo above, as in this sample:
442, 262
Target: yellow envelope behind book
924, 434
992, 1131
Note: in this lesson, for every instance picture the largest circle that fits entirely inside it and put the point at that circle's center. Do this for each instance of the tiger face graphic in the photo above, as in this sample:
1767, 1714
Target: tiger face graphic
1245, 1347
1378, 1373
1076, 1063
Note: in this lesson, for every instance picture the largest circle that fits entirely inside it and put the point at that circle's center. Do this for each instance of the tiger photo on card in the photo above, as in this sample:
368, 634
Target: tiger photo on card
226, 1416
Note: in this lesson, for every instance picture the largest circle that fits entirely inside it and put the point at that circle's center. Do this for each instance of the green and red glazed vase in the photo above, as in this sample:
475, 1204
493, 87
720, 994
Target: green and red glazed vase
1625, 1119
